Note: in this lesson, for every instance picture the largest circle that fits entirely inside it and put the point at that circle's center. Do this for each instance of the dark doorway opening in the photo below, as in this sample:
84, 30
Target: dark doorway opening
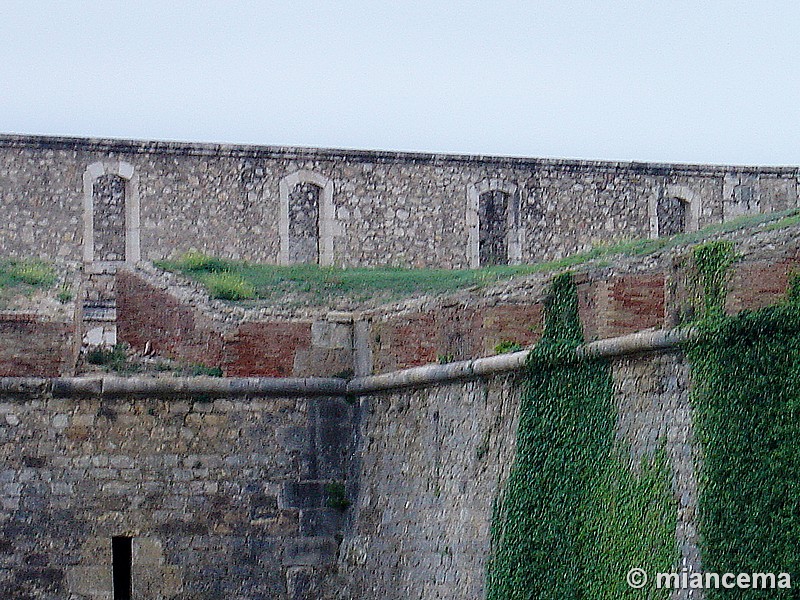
121, 559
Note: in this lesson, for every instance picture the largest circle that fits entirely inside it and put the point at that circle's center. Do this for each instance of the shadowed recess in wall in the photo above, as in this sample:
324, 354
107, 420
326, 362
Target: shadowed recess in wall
575, 514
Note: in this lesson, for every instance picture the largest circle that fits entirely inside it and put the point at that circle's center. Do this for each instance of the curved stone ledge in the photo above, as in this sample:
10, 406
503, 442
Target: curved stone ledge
635, 343
432, 374
24, 386
213, 387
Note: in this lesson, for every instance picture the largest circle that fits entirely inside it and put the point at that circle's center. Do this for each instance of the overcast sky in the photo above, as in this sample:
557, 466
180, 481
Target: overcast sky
669, 80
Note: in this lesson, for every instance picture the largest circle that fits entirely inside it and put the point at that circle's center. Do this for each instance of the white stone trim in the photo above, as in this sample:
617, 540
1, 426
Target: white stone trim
128, 173
329, 227
515, 234
688, 196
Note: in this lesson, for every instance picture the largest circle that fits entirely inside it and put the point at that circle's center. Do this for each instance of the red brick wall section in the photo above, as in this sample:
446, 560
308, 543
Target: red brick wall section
634, 302
756, 285
452, 333
521, 323
30, 347
458, 333
146, 313
265, 349
402, 342
618, 305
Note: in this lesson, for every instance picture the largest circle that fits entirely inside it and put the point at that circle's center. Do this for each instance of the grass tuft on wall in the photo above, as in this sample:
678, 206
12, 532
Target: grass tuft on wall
314, 284
31, 273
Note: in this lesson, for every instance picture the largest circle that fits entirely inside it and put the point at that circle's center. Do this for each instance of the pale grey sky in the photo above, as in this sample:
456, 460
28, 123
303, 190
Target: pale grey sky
669, 80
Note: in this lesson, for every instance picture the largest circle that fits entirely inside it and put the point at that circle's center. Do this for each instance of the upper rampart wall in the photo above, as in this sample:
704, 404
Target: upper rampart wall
72, 200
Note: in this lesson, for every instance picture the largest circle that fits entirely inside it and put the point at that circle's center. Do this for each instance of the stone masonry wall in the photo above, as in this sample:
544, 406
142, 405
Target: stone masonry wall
222, 498
653, 410
431, 462
388, 208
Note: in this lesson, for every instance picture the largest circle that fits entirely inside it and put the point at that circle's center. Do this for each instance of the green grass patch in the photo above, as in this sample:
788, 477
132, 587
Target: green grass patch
203, 263
336, 494
112, 359
229, 286
791, 219
26, 273
312, 284
507, 346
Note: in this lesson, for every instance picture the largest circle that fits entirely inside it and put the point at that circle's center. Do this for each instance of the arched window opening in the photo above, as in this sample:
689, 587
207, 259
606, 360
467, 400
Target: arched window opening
111, 213
307, 221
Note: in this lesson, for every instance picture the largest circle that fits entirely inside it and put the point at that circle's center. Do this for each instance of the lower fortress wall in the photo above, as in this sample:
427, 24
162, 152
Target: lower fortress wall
432, 460
222, 498
229, 497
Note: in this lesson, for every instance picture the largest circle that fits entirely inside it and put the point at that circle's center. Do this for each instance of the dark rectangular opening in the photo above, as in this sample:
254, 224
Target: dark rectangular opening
121, 559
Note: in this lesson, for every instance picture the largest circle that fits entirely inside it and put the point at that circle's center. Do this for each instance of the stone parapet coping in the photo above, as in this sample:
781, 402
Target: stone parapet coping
635, 343
377, 156
216, 387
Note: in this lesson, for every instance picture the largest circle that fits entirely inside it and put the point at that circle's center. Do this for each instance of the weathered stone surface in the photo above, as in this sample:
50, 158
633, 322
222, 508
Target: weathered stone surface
230, 497
198, 486
388, 208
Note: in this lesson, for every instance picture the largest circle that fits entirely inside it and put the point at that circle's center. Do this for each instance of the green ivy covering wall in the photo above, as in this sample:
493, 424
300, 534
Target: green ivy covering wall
574, 516
746, 400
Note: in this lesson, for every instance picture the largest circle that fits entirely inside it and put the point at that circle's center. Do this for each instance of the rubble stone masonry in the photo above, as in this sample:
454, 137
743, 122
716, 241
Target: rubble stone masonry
61, 196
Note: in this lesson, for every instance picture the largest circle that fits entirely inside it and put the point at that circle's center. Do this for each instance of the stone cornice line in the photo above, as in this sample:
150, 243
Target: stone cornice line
378, 156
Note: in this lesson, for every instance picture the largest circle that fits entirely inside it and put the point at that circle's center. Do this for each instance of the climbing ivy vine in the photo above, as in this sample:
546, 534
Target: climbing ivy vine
574, 516
712, 263
746, 399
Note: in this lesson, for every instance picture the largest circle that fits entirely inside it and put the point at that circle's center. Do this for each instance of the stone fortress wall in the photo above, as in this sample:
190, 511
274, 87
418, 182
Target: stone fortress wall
222, 486
221, 490
108, 201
